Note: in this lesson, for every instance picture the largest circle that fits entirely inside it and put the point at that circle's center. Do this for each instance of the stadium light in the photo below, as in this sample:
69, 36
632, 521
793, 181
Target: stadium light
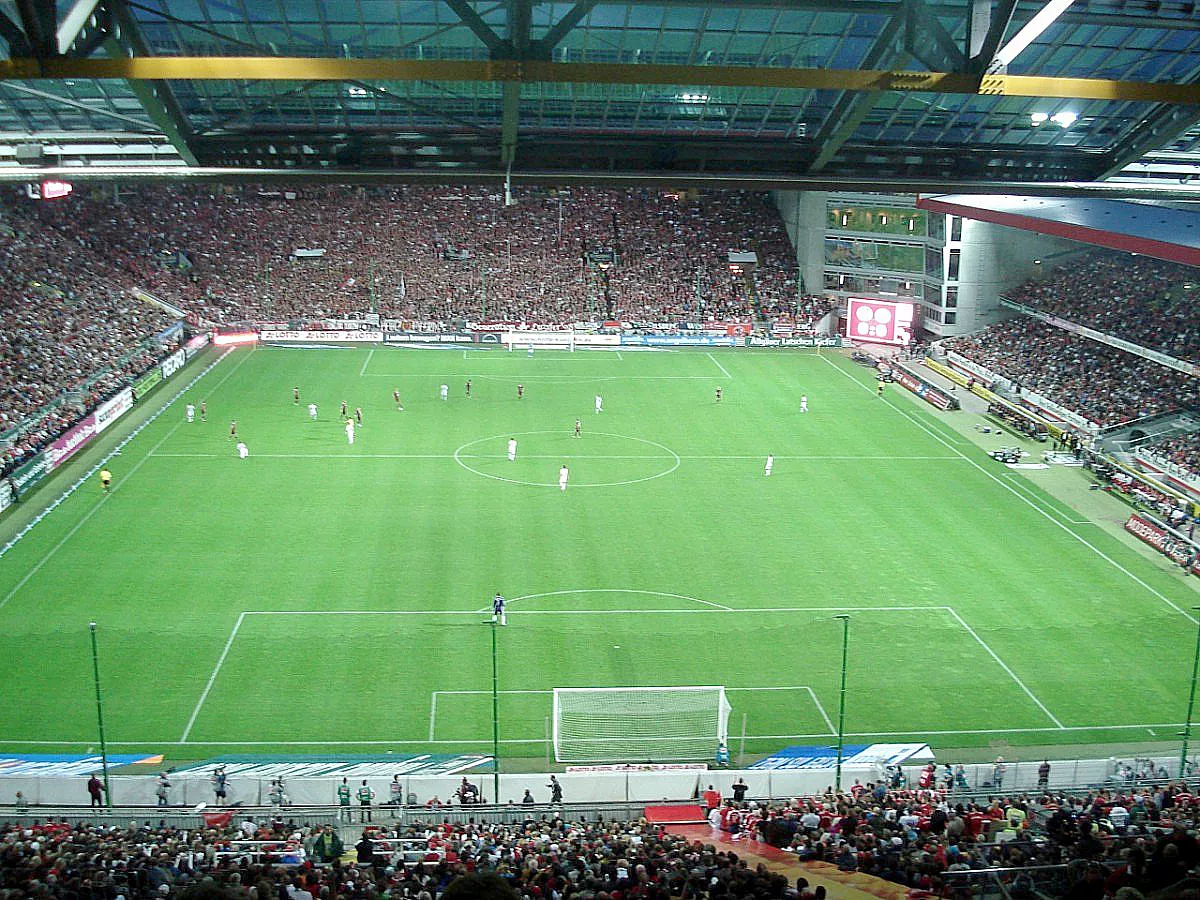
1187, 725
1033, 29
841, 730
100, 714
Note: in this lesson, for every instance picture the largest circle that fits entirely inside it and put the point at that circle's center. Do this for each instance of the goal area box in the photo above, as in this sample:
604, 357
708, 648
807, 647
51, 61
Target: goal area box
625, 724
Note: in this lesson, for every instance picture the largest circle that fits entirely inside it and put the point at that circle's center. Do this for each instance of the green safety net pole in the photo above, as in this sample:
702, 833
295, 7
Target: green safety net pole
100, 713
495, 721
841, 729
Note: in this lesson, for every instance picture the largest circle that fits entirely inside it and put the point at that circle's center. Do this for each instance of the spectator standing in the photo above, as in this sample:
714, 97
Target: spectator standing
998, 770
328, 846
712, 799
739, 790
163, 791
1043, 775
555, 790
96, 790
365, 796
343, 798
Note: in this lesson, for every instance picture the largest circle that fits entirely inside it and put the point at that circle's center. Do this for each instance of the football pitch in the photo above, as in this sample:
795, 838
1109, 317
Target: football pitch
325, 597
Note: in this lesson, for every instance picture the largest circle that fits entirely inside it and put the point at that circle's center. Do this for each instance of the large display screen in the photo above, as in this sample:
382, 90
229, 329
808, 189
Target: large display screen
879, 321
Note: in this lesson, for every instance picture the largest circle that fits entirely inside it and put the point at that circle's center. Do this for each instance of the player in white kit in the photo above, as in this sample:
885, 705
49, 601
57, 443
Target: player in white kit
312, 411
350, 430
191, 412
445, 391
804, 403
563, 475
512, 449
243, 450
599, 403
770, 464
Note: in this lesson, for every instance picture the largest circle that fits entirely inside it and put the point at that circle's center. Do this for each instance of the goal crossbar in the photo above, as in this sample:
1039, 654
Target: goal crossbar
639, 723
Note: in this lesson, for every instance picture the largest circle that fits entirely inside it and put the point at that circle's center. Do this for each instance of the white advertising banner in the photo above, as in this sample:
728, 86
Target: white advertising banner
322, 337
111, 410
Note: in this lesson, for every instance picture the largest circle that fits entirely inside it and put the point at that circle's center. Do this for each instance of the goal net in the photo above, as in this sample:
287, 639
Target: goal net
636, 724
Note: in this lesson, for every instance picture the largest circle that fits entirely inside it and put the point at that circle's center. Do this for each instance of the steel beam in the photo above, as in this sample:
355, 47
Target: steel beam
1161, 129
74, 23
157, 99
10, 31
851, 109
243, 68
927, 40
983, 58
111, 174
39, 19
563, 27
479, 28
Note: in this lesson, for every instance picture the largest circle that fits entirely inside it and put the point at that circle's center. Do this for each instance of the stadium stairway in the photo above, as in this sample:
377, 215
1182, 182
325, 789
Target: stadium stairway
842, 885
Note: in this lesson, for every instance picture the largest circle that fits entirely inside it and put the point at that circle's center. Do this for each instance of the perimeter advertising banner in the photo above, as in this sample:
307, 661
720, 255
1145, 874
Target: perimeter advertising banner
77, 436
879, 321
679, 340
31, 473
1159, 538
322, 337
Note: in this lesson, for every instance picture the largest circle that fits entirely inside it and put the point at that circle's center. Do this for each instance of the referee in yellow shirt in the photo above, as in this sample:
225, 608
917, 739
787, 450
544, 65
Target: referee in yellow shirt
105, 480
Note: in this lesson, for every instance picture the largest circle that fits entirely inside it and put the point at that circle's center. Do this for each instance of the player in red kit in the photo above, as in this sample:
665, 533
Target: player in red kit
203, 410
233, 429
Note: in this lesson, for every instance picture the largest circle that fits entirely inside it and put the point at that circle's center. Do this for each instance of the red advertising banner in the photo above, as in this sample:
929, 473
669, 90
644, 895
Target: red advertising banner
1159, 539
71, 441
879, 321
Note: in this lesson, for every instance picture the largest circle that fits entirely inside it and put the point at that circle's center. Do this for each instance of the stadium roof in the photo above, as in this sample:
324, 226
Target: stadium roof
1160, 231
861, 92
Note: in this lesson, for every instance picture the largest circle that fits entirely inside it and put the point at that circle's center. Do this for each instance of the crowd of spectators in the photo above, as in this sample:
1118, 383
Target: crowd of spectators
70, 328
1129, 836
1099, 382
228, 254
1182, 450
1144, 300
436, 253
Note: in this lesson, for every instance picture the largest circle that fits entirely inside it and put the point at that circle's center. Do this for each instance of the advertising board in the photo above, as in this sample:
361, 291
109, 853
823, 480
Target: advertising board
879, 321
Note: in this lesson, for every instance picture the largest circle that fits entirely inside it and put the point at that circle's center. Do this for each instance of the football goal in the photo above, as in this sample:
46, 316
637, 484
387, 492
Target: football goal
636, 724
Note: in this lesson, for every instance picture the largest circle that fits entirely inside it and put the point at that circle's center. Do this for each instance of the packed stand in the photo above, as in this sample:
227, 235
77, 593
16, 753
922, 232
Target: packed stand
436, 254
69, 328
1101, 383
1182, 450
1144, 300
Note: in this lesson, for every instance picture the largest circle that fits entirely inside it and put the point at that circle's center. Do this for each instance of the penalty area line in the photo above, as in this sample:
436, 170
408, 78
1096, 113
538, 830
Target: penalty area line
717, 363
212, 678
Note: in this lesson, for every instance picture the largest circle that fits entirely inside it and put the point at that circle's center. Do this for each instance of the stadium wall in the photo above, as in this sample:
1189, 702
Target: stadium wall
193, 786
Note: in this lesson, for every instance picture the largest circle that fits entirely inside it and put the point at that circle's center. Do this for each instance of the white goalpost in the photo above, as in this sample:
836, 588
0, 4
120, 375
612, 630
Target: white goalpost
637, 724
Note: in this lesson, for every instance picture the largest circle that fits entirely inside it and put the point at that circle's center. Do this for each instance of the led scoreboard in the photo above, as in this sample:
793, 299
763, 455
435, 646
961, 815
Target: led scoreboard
879, 321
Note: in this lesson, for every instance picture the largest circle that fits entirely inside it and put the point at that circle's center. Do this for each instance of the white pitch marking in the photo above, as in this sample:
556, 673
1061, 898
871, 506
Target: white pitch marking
1016, 482
587, 612
366, 362
799, 687
91, 512
433, 702
213, 677
557, 456
1104, 556
616, 591
724, 371
45, 559
992, 653
752, 737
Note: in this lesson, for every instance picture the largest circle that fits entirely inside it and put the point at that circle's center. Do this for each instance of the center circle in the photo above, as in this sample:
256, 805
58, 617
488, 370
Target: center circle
463, 457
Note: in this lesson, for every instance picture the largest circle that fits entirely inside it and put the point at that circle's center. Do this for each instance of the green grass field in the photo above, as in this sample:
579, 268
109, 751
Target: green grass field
325, 597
